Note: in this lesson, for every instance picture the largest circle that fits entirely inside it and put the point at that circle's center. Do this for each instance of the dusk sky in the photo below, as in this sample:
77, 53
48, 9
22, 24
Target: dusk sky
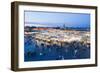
55, 19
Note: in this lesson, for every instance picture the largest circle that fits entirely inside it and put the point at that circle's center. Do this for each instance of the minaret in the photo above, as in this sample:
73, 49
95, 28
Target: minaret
64, 26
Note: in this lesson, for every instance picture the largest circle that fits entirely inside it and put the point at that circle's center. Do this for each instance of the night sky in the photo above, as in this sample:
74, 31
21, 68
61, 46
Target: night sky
56, 19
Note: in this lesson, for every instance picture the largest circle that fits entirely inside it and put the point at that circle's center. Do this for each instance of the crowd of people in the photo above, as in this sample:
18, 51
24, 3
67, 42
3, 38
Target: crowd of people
42, 52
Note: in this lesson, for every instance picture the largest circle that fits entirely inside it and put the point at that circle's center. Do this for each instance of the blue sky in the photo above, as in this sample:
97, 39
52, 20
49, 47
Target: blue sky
54, 19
